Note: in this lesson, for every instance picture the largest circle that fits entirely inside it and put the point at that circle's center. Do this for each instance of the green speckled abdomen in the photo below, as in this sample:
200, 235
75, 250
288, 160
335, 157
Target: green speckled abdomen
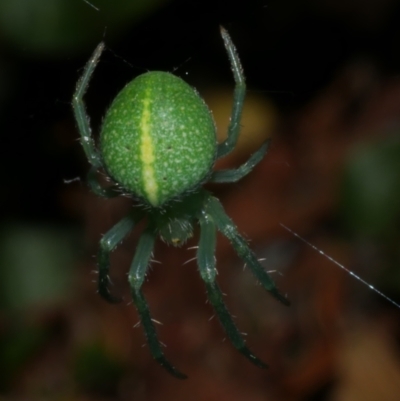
158, 138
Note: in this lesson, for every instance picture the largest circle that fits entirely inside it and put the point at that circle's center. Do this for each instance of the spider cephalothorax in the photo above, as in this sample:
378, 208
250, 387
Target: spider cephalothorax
158, 144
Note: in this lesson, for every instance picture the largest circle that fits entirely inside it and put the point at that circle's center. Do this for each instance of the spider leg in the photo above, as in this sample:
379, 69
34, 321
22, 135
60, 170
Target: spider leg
137, 274
228, 228
244, 169
206, 263
97, 188
228, 145
108, 243
79, 108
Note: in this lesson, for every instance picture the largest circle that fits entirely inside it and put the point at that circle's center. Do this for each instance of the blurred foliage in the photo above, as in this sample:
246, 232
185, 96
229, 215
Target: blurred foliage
17, 345
97, 371
35, 266
59, 27
371, 189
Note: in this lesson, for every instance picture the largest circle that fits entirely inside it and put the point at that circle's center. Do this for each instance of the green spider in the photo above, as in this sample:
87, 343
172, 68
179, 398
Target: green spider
158, 144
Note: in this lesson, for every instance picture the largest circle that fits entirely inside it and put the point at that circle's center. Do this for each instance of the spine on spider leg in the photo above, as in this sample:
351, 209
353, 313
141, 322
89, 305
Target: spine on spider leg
206, 249
226, 226
236, 65
206, 263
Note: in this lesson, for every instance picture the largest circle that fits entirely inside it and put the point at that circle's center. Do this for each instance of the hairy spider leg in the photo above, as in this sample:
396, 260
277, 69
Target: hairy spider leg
96, 187
79, 108
206, 263
226, 226
136, 276
229, 144
85, 131
237, 174
110, 240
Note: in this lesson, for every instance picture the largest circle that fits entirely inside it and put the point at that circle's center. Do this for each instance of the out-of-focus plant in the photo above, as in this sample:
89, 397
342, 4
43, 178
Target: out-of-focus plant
370, 207
371, 190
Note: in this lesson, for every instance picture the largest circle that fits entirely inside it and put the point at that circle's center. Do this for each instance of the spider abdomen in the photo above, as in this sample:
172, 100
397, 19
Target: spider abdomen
158, 138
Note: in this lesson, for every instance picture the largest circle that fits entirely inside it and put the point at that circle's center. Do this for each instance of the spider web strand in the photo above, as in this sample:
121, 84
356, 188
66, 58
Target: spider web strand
348, 271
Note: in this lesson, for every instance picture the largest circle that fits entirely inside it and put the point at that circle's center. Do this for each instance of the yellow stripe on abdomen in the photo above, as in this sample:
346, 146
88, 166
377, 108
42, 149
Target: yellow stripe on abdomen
147, 156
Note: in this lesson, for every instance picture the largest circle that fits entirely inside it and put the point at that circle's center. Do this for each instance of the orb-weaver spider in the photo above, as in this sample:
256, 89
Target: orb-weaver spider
158, 144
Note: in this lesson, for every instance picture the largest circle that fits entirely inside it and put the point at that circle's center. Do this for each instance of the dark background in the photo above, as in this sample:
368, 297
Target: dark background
323, 82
